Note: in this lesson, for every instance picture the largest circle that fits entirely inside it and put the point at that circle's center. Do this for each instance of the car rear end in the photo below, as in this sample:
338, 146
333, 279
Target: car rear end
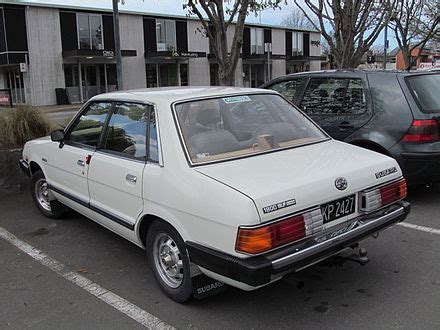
419, 147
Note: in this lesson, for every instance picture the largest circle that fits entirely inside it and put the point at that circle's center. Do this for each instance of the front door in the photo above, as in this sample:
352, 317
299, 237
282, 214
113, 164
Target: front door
67, 165
338, 104
116, 169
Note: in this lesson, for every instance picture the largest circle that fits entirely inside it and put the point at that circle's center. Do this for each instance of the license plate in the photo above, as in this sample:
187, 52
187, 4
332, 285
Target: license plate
338, 208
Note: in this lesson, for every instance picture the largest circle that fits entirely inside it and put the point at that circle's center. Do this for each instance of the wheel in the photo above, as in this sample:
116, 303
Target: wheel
43, 198
169, 261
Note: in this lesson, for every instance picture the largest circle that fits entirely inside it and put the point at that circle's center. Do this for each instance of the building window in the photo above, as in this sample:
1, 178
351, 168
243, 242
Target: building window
297, 43
89, 31
165, 35
257, 41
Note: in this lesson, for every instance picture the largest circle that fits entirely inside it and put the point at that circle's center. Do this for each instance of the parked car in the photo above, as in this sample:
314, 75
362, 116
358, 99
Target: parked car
393, 113
232, 183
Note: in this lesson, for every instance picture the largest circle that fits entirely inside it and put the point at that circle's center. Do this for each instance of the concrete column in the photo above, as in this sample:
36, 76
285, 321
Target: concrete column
198, 72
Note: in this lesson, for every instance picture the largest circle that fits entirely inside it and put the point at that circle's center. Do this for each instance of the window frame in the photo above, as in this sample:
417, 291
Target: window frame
268, 92
365, 89
90, 30
118, 154
99, 148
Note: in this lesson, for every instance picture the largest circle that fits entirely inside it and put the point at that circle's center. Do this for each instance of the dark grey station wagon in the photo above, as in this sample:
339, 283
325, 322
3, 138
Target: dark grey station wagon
394, 113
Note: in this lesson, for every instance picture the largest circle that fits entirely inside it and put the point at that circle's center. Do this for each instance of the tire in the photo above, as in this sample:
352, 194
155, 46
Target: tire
42, 198
169, 261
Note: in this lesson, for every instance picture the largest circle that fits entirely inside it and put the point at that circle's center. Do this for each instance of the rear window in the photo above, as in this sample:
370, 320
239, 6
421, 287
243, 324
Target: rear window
426, 91
242, 125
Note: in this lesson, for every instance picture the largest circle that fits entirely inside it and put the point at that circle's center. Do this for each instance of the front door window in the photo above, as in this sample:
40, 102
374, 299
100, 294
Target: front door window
88, 127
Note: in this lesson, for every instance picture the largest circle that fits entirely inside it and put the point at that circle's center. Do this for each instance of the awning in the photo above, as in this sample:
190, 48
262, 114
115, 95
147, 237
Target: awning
97, 53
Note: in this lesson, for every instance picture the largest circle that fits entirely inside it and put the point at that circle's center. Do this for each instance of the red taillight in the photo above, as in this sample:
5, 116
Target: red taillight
422, 131
261, 239
374, 199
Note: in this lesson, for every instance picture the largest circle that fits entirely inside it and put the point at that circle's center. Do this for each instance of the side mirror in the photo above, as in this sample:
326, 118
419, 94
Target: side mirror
57, 136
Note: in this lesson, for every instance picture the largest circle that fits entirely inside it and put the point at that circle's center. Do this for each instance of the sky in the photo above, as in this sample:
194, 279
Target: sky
174, 7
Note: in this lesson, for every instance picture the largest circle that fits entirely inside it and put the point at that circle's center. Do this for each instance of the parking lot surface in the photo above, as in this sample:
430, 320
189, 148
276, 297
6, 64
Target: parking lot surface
398, 288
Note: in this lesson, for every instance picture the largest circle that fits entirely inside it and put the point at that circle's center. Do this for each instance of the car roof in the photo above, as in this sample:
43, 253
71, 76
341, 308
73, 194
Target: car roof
175, 94
368, 71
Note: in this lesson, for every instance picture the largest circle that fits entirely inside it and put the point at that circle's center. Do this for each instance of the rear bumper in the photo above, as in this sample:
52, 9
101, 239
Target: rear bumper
260, 270
24, 166
421, 167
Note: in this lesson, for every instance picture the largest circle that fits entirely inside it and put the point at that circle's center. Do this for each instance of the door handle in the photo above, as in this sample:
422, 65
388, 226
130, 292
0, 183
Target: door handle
345, 125
80, 163
131, 178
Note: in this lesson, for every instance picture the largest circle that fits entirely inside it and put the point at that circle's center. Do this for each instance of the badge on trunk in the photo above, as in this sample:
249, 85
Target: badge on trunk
341, 183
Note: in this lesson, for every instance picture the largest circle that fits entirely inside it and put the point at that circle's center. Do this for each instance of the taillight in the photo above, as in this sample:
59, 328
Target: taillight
422, 131
265, 238
374, 199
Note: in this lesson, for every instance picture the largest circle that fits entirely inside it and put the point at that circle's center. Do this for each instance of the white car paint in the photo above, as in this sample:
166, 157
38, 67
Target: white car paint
206, 204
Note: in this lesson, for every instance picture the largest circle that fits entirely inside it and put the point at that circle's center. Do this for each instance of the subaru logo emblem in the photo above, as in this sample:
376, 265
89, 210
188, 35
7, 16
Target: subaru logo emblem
341, 183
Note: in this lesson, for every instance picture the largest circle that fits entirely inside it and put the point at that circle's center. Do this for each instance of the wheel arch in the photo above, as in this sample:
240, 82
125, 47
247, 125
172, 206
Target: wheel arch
34, 167
147, 219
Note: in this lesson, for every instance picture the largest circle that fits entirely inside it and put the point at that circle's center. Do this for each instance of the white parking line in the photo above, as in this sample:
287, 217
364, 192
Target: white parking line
110, 298
421, 228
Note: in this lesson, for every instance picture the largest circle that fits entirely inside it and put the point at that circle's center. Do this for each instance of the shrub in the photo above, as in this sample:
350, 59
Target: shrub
22, 124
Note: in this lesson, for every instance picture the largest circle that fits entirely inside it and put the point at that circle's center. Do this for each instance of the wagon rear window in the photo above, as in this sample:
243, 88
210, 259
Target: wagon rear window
230, 127
425, 89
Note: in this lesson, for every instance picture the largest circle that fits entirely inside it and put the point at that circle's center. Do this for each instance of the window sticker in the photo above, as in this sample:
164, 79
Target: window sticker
237, 99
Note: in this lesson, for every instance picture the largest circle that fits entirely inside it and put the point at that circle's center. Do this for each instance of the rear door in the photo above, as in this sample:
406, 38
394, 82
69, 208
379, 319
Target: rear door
339, 104
116, 170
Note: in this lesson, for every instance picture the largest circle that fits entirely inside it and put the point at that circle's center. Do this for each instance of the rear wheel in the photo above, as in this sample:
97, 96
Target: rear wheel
43, 198
169, 261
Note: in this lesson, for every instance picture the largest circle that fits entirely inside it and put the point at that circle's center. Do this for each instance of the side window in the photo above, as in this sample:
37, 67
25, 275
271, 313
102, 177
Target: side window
153, 141
87, 130
127, 130
287, 88
334, 96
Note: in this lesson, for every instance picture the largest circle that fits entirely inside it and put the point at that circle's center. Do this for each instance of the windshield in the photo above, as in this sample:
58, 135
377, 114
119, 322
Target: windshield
425, 89
236, 126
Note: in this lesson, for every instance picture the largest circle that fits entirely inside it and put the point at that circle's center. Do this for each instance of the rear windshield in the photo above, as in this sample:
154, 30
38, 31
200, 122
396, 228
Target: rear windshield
242, 125
426, 91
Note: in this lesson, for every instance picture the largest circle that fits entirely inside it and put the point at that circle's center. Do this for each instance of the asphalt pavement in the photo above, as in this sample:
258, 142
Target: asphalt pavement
398, 289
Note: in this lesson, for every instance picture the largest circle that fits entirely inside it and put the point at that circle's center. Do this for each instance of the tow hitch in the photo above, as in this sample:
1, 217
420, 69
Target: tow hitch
360, 257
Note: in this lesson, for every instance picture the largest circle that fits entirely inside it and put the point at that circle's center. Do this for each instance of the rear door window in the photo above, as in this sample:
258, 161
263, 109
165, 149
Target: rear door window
127, 130
287, 88
425, 90
334, 96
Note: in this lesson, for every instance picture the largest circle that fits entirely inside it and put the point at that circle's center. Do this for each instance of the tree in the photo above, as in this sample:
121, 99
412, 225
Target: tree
223, 14
350, 27
415, 23
297, 19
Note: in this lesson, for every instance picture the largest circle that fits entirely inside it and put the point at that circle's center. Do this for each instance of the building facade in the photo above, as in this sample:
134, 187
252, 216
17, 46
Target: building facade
48, 53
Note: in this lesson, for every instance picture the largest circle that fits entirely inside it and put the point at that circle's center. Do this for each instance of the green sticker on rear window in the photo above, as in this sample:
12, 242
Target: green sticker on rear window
237, 99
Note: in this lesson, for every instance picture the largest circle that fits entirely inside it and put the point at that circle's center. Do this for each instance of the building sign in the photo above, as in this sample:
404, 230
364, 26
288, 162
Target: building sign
428, 65
5, 98
23, 67
316, 43
108, 53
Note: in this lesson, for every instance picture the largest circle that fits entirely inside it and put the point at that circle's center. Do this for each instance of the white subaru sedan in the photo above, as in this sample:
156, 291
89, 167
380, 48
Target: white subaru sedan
231, 185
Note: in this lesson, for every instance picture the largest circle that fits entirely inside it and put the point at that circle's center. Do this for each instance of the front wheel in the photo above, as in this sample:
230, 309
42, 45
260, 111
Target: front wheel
43, 198
169, 261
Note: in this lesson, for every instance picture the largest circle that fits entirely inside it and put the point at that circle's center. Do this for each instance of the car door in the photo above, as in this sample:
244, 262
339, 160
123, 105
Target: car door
340, 105
116, 170
68, 163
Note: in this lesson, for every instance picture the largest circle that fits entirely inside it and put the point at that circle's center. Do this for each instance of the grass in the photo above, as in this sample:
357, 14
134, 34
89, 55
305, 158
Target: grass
21, 124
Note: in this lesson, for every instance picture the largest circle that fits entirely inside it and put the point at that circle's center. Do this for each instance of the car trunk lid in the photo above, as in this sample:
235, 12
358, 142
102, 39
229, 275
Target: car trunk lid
303, 177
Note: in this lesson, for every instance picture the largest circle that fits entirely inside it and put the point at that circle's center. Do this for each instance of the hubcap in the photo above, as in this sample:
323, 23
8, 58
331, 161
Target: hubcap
168, 260
42, 192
